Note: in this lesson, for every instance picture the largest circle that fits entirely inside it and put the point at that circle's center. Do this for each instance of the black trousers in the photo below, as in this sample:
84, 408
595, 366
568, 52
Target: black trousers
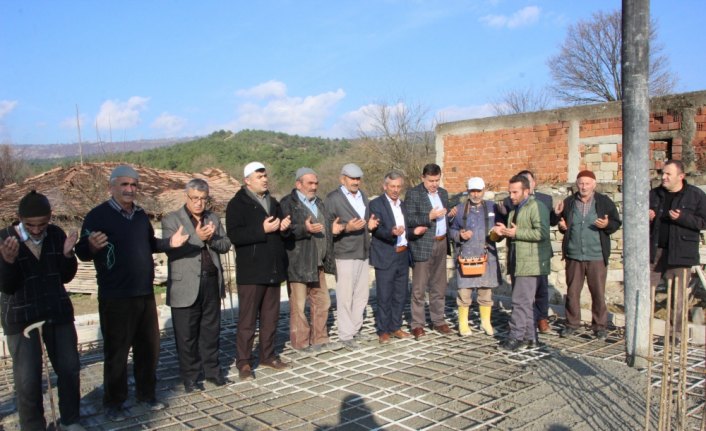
27, 371
256, 301
126, 323
197, 329
392, 290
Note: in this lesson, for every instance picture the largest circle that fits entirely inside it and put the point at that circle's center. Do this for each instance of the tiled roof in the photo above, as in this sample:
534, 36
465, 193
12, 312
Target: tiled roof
74, 190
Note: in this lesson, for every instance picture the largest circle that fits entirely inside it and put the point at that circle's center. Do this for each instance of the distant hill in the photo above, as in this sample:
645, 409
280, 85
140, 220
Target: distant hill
64, 151
283, 154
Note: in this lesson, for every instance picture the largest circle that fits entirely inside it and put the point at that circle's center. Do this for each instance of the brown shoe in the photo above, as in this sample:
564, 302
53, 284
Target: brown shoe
245, 373
418, 333
384, 338
275, 364
443, 329
401, 334
543, 326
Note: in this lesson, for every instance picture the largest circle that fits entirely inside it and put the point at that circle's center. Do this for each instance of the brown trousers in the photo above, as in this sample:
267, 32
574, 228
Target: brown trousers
430, 276
680, 275
301, 333
594, 272
256, 301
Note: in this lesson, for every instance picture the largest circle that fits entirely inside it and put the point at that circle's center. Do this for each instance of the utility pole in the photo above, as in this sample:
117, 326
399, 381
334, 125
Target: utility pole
78, 127
636, 113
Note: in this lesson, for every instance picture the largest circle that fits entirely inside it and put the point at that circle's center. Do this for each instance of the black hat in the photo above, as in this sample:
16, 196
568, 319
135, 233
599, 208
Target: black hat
34, 204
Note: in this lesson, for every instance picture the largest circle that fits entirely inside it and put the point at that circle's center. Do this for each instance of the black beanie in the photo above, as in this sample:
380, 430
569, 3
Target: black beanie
34, 205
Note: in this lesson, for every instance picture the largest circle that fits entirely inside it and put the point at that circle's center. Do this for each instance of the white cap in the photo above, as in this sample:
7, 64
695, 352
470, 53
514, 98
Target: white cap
252, 167
476, 183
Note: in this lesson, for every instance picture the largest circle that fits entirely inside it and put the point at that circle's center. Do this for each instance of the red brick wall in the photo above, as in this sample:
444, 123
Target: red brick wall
497, 155
497, 148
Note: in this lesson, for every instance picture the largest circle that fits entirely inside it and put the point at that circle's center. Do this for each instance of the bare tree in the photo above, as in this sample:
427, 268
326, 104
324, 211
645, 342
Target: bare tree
587, 68
12, 168
398, 137
519, 100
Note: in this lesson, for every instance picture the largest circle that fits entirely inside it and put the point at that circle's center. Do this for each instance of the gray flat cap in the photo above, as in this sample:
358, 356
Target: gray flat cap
124, 171
303, 171
351, 170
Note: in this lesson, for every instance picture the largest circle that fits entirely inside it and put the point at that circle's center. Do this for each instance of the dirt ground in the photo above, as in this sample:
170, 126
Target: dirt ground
88, 304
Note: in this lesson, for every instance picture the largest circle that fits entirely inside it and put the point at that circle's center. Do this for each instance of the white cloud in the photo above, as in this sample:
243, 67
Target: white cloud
121, 115
459, 113
70, 122
170, 124
294, 115
266, 90
6, 106
525, 16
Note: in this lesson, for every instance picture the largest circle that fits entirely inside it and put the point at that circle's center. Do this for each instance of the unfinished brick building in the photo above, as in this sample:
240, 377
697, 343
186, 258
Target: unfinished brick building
557, 144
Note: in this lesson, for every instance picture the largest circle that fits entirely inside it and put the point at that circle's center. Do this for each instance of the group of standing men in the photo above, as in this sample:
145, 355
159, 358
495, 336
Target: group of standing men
300, 240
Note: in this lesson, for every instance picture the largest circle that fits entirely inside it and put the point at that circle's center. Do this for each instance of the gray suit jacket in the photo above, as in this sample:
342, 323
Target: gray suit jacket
347, 245
184, 263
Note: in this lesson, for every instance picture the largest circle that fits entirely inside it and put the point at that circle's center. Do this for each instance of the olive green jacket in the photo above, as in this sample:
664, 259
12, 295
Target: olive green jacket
531, 246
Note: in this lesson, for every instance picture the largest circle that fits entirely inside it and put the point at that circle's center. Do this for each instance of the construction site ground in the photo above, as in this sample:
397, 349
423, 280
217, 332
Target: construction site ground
435, 383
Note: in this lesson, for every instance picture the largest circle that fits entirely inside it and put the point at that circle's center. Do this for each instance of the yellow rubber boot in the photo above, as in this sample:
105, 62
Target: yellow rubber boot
463, 328
485, 319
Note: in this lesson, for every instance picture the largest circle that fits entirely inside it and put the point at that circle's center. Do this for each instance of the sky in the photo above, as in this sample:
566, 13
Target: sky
150, 69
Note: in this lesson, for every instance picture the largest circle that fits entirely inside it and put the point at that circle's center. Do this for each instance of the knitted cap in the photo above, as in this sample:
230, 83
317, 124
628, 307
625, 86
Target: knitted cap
586, 173
124, 171
34, 204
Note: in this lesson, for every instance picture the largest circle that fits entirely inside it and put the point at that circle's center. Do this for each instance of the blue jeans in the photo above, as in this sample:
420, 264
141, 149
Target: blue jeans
27, 369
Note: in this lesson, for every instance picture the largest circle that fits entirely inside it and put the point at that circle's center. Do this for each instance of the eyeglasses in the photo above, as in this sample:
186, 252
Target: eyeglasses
196, 199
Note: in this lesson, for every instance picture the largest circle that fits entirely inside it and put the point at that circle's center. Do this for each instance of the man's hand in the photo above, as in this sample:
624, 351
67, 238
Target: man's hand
559, 208
466, 234
674, 214
435, 213
285, 223
420, 230
397, 230
562, 224
69, 244
179, 238
453, 211
601, 223
271, 224
97, 241
510, 231
313, 227
373, 222
205, 232
355, 225
9, 249
498, 229
337, 227
652, 215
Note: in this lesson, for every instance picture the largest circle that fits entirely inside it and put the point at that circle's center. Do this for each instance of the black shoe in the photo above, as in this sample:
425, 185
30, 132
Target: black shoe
218, 380
533, 344
190, 386
568, 331
511, 345
601, 334
116, 413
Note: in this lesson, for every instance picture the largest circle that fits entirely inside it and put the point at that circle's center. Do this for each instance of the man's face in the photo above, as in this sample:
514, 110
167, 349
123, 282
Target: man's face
431, 182
351, 184
307, 185
36, 226
393, 188
672, 178
586, 186
257, 182
475, 196
124, 190
196, 201
517, 193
